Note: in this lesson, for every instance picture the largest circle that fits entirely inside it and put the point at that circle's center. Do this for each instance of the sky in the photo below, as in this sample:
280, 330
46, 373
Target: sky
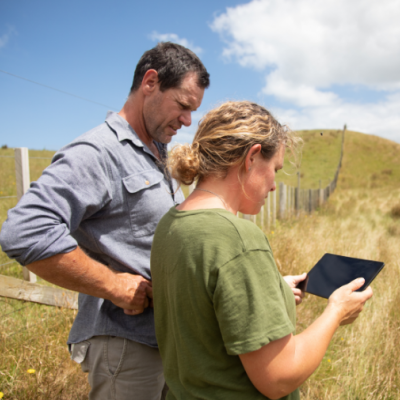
314, 64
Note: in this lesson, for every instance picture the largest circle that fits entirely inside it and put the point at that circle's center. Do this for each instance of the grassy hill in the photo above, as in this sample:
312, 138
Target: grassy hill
359, 220
369, 161
318, 162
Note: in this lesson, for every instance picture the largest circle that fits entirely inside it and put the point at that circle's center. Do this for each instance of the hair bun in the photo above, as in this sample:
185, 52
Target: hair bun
183, 163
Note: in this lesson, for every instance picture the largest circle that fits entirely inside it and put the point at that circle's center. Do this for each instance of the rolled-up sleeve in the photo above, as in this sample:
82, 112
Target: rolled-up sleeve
73, 188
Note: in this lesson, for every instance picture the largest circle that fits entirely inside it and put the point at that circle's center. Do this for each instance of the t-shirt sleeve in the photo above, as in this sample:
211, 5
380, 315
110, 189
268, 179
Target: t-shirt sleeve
249, 303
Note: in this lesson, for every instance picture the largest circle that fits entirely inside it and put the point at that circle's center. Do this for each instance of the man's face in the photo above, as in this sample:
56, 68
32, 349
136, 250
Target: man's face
165, 112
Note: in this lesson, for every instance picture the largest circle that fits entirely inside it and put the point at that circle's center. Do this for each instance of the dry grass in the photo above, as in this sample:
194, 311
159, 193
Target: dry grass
34, 337
362, 360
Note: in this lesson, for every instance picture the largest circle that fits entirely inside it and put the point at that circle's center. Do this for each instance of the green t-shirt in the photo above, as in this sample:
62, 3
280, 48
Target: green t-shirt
217, 294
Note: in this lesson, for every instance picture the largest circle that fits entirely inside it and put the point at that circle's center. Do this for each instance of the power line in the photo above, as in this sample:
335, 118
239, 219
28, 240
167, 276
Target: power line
58, 90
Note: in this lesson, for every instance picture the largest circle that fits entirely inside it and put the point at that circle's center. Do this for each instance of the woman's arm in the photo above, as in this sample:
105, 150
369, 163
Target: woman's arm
281, 366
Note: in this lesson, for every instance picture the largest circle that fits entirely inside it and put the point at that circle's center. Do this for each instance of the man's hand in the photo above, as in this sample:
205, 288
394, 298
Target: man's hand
133, 293
293, 281
76, 271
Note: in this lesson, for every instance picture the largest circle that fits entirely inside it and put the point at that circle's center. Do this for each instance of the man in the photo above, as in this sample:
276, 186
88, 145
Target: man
87, 224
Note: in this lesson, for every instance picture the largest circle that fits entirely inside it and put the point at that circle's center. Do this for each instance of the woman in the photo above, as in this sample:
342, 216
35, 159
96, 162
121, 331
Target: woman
225, 318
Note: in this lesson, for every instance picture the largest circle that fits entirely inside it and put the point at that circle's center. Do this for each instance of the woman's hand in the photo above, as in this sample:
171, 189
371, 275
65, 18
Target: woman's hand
349, 303
293, 281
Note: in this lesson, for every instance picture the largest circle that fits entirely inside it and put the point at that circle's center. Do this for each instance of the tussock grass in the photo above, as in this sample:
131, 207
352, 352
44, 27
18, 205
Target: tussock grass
33, 337
362, 360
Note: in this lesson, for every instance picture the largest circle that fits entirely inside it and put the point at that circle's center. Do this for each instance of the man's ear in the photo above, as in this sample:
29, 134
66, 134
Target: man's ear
149, 81
254, 151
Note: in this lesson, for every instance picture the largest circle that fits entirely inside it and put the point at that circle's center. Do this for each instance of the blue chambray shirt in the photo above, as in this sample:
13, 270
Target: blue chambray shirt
106, 192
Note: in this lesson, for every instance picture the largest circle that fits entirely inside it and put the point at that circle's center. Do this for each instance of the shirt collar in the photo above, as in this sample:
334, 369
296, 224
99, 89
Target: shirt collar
124, 131
122, 128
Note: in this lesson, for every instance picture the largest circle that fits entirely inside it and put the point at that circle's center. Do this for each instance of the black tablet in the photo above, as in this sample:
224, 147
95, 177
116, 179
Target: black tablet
333, 271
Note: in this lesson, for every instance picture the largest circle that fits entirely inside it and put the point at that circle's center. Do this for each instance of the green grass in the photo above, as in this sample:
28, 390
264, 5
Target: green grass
8, 188
361, 219
370, 162
34, 337
319, 159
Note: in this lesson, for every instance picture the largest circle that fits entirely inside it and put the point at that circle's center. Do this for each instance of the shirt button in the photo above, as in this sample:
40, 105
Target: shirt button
147, 182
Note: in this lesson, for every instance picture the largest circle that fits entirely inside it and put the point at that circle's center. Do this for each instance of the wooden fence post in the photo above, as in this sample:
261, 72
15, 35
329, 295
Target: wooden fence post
298, 195
274, 209
321, 194
23, 181
282, 200
262, 216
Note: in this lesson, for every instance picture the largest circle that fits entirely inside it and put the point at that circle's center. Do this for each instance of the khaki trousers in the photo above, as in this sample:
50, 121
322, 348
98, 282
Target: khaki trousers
120, 369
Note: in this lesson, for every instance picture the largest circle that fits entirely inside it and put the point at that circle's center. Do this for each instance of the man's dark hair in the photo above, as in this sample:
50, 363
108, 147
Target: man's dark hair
172, 62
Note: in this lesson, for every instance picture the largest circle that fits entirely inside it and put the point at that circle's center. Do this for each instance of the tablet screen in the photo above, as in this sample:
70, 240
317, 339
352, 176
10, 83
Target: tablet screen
333, 271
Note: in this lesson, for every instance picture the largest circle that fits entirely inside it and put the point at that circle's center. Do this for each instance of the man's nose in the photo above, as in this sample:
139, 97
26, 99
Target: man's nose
273, 187
186, 117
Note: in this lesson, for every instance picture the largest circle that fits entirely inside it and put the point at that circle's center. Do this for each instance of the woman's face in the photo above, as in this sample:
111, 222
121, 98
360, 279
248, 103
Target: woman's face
260, 180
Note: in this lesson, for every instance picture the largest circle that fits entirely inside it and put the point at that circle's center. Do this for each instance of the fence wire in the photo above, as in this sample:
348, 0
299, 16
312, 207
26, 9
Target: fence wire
7, 263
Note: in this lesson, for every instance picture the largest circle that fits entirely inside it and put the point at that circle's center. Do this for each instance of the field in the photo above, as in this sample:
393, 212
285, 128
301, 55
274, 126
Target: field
361, 219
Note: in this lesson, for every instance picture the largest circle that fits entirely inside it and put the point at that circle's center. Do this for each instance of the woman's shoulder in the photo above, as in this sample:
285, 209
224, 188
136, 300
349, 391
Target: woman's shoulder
220, 225
250, 234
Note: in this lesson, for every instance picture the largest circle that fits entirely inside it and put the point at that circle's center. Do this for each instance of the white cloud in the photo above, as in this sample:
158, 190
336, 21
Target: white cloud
298, 93
6, 37
306, 47
381, 118
173, 37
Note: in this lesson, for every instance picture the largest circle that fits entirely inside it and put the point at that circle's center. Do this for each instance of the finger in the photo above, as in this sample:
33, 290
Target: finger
299, 278
131, 312
297, 292
298, 300
149, 291
368, 293
146, 302
356, 284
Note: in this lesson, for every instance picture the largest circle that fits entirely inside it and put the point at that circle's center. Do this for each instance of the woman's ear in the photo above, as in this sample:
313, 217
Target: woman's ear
254, 151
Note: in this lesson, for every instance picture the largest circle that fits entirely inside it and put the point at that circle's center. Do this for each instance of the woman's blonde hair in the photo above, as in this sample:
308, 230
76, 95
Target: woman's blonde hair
223, 139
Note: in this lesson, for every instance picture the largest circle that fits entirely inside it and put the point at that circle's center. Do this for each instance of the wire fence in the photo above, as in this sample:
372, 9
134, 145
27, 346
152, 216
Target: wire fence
291, 202
40, 158
7, 263
286, 202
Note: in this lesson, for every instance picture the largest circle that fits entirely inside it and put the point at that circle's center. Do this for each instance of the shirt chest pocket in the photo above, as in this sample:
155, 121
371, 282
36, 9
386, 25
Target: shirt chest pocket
148, 199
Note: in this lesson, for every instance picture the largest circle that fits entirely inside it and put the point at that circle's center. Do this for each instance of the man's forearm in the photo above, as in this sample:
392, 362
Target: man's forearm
74, 271
77, 271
